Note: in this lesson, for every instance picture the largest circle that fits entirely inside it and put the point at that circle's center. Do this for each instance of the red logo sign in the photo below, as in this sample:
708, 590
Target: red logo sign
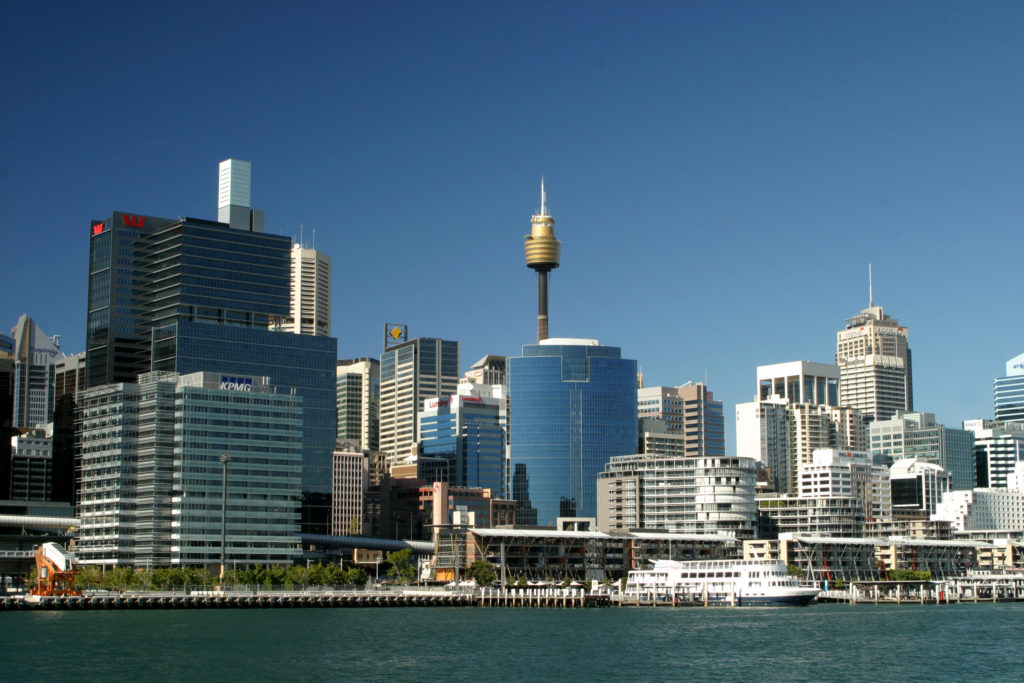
97, 229
134, 221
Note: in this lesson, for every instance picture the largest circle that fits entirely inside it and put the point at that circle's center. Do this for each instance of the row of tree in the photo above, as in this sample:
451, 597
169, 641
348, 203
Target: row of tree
167, 578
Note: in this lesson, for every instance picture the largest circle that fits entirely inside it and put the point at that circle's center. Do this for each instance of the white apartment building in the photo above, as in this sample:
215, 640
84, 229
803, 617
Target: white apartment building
989, 509
783, 436
675, 493
841, 473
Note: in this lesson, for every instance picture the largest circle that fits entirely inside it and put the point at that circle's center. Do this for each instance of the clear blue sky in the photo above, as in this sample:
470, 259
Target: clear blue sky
721, 173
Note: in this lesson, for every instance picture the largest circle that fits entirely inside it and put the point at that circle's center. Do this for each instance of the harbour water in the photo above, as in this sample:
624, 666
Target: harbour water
967, 642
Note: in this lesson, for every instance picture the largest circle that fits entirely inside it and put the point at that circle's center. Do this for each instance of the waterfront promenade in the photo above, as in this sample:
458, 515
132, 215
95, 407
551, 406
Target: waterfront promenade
982, 588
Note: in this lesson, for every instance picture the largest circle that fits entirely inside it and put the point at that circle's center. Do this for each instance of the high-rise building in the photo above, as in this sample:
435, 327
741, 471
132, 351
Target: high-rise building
762, 434
309, 293
31, 466
151, 490
875, 364
689, 410
835, 473
702, 495
988, 509
572, 407
188, 295
68, 381
351, 481
35, 356
6, 411
799, 381
234, 196
998, 447
358, 397
796, 411
489, 370
1008, 392
410, 373
468, 430
917, 487
917, 435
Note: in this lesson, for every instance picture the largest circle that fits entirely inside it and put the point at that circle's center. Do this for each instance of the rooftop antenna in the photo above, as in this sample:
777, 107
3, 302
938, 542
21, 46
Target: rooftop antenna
871, 290
301, 226
313, 246
543, 198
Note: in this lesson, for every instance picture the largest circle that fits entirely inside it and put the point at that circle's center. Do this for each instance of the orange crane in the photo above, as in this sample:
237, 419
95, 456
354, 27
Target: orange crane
55, 571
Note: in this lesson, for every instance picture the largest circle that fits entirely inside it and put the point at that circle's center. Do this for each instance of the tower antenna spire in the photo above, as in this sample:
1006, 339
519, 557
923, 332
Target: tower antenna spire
543, 198
871, 289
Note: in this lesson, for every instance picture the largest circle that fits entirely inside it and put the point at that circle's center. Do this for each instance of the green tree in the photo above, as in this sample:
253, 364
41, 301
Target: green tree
521, 582
299, 576
121, 578
354, 576
482, 572
909, 575
90, 577
402, 568
794, 570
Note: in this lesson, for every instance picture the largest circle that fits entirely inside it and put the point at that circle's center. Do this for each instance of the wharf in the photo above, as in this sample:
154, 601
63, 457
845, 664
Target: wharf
569, 598
970, 588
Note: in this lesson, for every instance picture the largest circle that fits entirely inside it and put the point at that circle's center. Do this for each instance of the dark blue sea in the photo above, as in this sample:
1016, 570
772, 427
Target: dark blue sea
967, 642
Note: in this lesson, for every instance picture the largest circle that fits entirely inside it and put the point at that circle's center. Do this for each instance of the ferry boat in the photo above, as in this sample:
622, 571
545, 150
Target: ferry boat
717, 582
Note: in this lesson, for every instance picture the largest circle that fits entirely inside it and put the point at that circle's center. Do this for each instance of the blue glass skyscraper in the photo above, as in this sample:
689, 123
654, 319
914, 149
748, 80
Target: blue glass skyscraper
572, 406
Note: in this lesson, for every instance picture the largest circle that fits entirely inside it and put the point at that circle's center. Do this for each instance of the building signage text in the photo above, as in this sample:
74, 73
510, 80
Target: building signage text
236, 383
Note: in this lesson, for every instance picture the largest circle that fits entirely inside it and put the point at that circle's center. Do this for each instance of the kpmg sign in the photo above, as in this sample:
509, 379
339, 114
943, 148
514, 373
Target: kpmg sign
236, 383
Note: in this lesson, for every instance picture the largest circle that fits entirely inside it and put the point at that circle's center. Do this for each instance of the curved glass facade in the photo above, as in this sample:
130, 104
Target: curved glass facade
572, 407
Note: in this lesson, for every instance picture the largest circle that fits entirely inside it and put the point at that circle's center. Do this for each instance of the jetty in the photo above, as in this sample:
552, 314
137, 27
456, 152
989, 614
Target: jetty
229, 599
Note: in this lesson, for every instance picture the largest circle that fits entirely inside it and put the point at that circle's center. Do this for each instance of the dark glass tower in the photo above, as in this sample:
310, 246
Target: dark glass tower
191, 295
572, 406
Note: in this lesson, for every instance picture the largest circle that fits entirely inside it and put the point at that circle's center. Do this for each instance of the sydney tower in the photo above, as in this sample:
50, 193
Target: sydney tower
542, 254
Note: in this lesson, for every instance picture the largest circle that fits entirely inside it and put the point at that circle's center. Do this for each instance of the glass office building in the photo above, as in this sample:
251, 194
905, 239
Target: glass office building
1008, 392
572, 407
301, 361
152, 484
191, 295
469, 432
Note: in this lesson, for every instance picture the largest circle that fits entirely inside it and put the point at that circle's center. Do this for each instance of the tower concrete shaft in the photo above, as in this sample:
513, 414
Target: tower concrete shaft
543, 252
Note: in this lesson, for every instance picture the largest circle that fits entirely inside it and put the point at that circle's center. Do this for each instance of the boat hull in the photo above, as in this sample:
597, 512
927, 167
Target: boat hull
801, 599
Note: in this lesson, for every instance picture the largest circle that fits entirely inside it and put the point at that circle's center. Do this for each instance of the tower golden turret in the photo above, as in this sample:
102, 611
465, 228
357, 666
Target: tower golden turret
542, 254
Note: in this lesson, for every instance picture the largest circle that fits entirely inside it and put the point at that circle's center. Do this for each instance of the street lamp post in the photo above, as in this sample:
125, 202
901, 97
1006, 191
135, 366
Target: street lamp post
225, 458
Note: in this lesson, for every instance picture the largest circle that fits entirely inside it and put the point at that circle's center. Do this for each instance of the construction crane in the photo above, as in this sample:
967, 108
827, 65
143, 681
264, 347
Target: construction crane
55, 571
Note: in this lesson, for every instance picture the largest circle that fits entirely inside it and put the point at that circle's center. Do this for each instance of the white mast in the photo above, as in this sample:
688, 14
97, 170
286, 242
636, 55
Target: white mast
871, 290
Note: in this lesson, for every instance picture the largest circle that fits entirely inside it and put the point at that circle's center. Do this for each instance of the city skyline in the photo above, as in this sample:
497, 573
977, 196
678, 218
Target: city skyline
720, 183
